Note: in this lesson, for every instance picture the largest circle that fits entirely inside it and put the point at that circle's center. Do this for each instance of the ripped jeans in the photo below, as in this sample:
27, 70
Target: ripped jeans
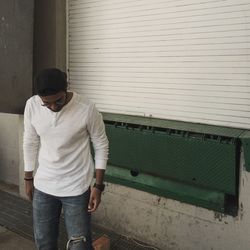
46, 215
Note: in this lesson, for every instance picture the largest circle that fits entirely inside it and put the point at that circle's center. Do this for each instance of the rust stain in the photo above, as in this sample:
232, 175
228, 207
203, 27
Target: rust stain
219, 216
159, 200
241, 211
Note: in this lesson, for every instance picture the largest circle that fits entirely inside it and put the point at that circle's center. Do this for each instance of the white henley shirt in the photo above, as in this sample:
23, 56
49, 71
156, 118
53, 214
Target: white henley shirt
61, 141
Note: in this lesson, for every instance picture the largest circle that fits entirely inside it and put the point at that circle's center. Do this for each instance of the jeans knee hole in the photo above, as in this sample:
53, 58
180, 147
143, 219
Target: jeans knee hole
75, 240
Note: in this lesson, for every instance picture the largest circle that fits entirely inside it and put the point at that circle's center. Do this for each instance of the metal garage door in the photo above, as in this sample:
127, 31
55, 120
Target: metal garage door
181, 60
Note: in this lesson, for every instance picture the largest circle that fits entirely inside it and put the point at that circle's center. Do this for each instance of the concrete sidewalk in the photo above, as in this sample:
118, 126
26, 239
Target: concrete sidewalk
12, 241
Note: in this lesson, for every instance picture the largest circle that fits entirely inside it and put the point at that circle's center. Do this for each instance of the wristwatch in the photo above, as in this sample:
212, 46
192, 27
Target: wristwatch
100, 187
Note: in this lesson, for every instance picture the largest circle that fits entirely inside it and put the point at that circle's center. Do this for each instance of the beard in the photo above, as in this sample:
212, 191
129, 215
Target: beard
57, 109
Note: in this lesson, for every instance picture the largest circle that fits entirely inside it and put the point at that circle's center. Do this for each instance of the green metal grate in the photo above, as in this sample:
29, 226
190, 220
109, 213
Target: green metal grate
202, 161
193, 163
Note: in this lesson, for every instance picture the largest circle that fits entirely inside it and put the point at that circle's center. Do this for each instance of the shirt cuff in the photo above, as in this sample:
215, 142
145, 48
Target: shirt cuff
100, 164
29, 166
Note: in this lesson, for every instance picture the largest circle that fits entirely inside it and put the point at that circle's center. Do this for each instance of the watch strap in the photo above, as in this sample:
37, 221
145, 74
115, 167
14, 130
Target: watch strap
100, 187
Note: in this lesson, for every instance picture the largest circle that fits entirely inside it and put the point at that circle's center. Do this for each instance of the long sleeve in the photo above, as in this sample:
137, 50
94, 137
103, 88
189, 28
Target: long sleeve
31, 141
96, 129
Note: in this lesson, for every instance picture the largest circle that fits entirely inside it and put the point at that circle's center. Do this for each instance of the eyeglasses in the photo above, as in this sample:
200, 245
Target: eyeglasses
59, 102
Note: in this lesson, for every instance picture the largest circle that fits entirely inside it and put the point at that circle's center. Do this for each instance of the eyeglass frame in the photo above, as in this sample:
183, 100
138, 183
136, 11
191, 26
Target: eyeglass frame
57, 102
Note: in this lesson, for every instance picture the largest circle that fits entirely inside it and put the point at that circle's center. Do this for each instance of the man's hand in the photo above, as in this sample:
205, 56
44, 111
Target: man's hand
94, 200
29, 188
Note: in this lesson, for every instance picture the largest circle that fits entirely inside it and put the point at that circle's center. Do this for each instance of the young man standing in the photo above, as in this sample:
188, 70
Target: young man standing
58, 127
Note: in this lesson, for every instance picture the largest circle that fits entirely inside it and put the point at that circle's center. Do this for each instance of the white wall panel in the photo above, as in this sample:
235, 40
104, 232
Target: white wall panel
176, 59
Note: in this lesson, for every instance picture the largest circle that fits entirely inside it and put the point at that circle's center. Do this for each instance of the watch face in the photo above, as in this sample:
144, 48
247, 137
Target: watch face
99, 186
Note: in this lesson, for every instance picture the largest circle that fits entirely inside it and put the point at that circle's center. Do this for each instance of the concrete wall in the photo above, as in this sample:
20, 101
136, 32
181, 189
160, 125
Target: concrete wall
9, 148
16, 66
172, 225
49, 35
16, 50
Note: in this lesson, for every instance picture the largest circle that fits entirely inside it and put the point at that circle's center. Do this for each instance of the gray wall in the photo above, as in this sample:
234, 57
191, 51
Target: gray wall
9, 148
17, 21
16, 66
49, 35
16, 48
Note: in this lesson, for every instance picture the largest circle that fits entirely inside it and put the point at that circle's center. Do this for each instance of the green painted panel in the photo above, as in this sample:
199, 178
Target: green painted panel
168, 188
207, 163
172, 124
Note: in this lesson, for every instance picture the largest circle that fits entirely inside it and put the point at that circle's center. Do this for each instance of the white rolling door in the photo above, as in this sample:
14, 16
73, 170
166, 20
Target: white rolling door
184, 60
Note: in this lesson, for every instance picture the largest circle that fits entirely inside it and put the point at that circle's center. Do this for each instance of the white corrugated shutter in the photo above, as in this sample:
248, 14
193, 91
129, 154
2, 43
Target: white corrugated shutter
185, 60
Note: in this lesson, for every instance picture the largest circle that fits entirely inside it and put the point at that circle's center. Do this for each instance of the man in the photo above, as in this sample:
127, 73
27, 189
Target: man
58, 127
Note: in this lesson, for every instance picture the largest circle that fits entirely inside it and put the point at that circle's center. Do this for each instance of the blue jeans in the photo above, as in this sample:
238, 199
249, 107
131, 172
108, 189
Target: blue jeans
46, 215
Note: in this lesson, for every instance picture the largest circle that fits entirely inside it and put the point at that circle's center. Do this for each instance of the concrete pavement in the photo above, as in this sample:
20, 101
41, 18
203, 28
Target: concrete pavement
12, 241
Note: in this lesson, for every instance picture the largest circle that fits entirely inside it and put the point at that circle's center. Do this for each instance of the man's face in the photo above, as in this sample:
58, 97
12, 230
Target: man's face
55, 102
